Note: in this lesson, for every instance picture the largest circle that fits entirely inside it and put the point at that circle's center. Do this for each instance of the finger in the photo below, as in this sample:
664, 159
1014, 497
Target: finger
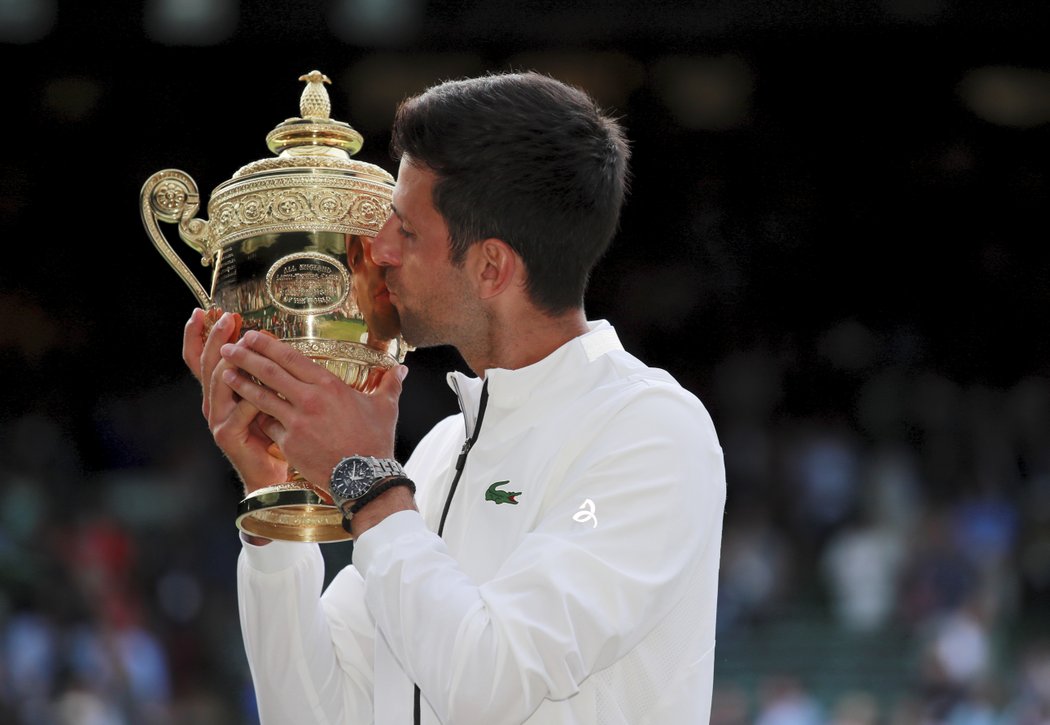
221, 333
233, 428
230, 415
270, 372
192, 345
391, 384
286, 357
269, 427
273, 449
221, 399
266, 400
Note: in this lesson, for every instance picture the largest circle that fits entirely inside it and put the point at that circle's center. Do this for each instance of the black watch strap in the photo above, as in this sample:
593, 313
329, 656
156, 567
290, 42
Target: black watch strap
379, 489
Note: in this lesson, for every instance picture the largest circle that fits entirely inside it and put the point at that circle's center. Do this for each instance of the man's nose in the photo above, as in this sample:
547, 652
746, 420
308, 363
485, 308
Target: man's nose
386, 250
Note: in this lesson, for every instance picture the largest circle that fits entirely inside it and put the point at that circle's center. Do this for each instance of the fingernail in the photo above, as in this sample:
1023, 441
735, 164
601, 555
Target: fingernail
223, 321
229, 376
227, 349
402, 372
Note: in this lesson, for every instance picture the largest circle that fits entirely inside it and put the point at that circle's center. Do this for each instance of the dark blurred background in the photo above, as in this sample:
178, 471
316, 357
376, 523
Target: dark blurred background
836, 238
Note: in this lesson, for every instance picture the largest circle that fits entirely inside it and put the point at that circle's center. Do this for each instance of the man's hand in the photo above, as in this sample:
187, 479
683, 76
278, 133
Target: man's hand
313, 416
235, 424
193, 342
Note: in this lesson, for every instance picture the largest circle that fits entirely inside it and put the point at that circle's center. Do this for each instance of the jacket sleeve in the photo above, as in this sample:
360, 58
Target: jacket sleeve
310, 655
577, 594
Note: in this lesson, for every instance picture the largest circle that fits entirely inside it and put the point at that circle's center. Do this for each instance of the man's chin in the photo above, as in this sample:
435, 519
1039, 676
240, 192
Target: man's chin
415, 335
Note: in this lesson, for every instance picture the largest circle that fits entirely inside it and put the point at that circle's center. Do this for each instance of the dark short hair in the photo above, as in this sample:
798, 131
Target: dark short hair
526, 159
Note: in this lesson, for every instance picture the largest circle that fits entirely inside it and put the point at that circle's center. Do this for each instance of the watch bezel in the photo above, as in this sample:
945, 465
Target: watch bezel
348, 485
352, 478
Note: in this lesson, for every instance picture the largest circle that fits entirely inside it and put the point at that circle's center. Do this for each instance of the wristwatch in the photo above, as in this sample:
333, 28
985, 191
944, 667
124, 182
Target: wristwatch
354, 477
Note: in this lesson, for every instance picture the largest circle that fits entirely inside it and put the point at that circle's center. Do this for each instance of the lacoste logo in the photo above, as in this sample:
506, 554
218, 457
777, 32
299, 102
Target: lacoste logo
498, 496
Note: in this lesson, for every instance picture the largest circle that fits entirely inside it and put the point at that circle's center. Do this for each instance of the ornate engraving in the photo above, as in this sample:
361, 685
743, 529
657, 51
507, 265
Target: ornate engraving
290, 518
290, 206
170, 197
253, 208
297, 202
307, 283
358, 168
331, 207
340, 350
366, 211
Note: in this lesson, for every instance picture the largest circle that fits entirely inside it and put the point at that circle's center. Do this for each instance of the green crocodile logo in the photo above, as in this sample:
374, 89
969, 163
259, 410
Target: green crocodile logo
492, 494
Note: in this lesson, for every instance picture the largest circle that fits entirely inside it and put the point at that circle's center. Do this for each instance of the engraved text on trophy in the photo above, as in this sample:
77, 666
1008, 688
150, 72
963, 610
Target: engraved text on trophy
307, 283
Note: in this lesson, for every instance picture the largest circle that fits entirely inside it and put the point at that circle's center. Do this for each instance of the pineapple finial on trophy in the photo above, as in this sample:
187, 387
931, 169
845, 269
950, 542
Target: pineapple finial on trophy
314, 132
314, 102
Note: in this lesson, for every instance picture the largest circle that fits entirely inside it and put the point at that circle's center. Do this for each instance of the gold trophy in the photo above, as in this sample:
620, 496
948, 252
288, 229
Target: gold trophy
285, 240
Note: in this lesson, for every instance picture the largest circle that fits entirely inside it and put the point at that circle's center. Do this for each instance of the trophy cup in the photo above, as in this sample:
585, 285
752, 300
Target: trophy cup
285, 240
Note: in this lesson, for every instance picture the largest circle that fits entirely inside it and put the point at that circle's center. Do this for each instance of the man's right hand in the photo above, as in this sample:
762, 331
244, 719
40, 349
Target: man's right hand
233, 422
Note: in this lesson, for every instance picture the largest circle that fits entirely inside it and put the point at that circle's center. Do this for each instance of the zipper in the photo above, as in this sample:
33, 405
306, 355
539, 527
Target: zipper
461, 463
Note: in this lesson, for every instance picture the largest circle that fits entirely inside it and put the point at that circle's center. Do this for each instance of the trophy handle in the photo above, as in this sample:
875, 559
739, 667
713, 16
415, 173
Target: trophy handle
171, 196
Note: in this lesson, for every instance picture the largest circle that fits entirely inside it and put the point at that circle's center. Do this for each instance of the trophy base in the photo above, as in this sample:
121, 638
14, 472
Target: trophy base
291, 512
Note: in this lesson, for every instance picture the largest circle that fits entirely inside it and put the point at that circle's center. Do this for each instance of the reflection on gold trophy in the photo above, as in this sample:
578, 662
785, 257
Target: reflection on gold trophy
289, 240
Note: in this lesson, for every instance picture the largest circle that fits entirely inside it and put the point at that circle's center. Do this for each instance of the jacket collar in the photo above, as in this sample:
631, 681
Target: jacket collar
511, 388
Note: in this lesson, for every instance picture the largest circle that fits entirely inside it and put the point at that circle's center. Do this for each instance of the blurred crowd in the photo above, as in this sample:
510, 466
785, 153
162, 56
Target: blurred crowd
919, 511
118, 600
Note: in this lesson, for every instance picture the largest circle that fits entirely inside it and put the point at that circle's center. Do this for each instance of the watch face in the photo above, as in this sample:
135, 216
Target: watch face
352, 478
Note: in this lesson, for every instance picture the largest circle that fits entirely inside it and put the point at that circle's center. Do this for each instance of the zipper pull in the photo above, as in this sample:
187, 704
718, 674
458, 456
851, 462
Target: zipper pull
462, 460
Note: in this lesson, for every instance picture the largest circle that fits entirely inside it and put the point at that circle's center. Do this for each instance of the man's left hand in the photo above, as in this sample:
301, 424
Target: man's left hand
315, 418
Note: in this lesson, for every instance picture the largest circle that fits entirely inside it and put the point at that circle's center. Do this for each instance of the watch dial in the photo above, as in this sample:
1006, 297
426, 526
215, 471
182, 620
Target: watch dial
360, 477
352, 479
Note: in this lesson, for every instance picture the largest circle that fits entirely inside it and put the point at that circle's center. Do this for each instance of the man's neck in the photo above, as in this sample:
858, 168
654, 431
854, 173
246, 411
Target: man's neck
519, 343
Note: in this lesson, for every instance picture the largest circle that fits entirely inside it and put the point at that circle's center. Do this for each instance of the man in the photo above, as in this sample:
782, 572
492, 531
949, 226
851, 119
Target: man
559, 564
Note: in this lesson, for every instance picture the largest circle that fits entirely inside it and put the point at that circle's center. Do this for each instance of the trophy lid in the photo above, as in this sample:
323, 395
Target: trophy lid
312, 185
314, 139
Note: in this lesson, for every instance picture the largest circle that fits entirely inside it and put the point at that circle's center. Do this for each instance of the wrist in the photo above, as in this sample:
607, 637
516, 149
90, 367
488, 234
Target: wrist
390, 501
381, 487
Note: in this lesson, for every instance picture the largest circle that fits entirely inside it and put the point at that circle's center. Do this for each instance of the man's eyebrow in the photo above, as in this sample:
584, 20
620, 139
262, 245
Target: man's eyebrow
400, 217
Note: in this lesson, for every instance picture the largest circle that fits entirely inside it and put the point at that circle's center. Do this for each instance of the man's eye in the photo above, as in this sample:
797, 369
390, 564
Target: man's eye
405, 233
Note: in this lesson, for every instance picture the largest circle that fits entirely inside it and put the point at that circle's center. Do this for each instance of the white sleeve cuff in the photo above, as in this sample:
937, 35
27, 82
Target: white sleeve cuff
276, 556
378, 540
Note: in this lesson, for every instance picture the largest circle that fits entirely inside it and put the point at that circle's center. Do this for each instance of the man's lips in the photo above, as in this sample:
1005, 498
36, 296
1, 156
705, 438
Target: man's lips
386, 289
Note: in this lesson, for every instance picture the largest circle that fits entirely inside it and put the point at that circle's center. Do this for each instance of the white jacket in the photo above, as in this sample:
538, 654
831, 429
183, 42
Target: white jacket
575, 581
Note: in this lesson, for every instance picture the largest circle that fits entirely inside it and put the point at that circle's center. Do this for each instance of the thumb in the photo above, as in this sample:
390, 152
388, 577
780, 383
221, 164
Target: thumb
391, 382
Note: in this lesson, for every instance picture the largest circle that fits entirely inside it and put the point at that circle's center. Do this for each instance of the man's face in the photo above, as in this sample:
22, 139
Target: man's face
433, 297
370, 290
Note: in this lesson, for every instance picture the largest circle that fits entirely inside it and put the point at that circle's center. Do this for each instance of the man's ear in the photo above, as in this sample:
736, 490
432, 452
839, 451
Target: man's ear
497, 267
